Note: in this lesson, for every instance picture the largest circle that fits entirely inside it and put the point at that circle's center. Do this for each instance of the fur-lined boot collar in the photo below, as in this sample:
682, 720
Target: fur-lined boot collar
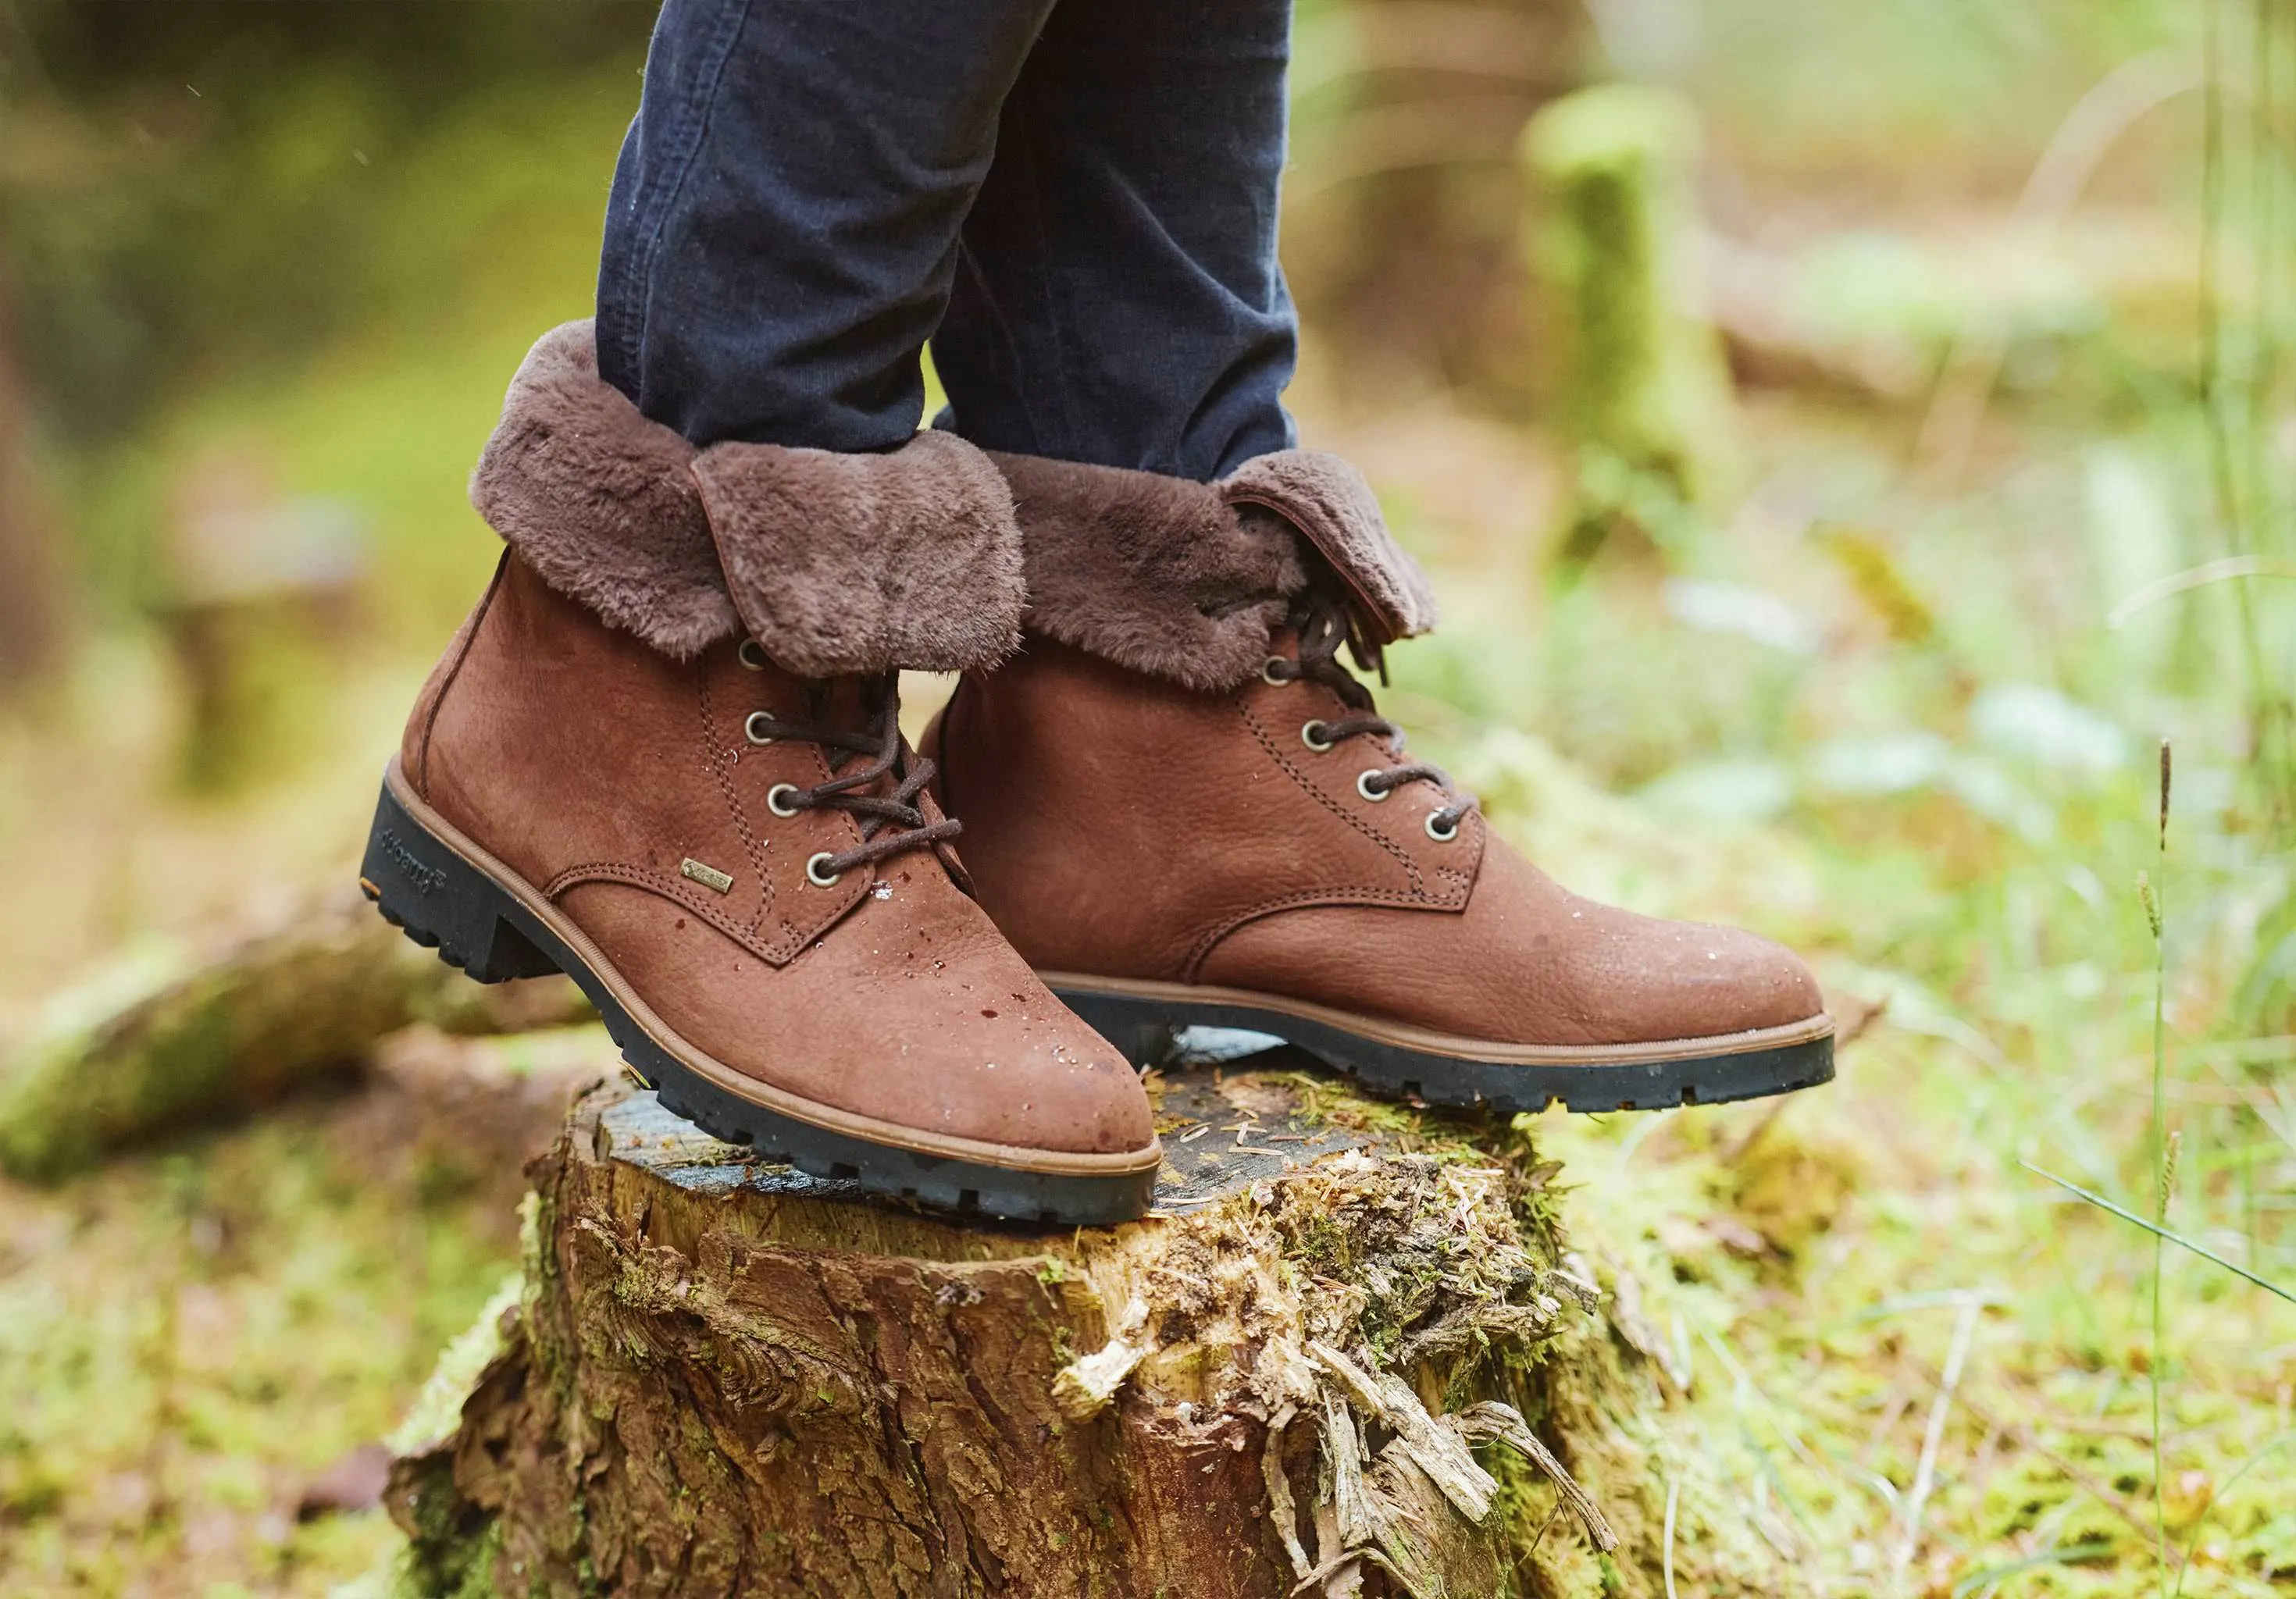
1187, 580
835, 563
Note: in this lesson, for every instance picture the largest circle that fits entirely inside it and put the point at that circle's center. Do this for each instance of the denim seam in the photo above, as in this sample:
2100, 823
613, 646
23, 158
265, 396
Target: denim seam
692, 123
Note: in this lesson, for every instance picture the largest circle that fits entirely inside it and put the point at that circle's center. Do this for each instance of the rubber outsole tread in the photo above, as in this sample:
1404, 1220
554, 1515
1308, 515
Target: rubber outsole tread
1397, 1073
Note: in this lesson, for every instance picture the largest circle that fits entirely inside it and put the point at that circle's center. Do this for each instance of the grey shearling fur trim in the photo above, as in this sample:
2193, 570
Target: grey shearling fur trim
835, 563
1187, 580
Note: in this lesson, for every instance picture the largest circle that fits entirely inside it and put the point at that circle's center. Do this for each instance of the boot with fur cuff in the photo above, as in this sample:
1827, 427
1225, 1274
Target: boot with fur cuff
1184, 810
662, 757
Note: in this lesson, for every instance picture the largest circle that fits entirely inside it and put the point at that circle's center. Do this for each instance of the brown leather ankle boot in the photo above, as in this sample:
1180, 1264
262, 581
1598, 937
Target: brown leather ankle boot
705, 814
1184, 810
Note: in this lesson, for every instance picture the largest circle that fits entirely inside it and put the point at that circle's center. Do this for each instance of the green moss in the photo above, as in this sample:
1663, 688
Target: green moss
164, 1038
1324, 1101
290, 1291
457, 1563
438, 1409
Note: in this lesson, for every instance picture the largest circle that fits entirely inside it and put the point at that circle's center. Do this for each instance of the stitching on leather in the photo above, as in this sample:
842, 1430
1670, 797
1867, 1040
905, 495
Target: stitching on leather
1203, 947
1419, 899
1326, 801
714, 759
462, 654
673, 889
1465, 877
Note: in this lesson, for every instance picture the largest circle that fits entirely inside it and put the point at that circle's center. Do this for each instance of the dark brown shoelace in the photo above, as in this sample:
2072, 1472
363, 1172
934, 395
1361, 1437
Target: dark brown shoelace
1322, 626
890, 823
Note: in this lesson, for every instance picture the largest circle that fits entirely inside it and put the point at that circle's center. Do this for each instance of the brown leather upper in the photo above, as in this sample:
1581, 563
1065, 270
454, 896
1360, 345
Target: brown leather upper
1121, 825
594, 766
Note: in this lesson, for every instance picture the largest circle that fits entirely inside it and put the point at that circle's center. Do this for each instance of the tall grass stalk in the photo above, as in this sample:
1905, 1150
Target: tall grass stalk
2154, 914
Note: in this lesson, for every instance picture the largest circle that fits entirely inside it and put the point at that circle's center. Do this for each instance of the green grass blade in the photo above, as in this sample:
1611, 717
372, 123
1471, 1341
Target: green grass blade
2064, 1554
2182, 1242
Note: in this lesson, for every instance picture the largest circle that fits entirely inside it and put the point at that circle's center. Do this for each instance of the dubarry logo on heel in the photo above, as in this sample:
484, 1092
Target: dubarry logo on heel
424, 878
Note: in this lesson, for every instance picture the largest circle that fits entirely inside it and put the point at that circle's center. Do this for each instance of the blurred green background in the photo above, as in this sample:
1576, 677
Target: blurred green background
1847, 440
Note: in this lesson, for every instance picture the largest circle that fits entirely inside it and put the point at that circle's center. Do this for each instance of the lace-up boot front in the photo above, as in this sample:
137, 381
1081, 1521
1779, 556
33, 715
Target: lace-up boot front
1185, 809
738, 861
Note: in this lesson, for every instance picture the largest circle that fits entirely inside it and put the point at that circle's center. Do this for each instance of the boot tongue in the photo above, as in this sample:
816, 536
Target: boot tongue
1331, 506
844, 704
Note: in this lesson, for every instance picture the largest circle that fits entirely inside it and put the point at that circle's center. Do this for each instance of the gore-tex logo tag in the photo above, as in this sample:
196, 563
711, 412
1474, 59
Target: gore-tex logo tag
707, 876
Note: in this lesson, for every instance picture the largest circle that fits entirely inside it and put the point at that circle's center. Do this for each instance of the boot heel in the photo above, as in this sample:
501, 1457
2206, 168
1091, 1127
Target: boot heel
1144, 1036
441, 901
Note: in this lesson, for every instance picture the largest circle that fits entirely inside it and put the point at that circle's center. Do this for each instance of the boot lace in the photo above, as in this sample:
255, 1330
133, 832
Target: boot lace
892, 821
1322, 626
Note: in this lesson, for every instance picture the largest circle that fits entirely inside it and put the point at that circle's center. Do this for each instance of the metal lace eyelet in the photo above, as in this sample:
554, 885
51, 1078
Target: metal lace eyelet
774, 800
1311, 733
1363, 787
1441, 834
1276, 671
749, 655
757, 728
815, 875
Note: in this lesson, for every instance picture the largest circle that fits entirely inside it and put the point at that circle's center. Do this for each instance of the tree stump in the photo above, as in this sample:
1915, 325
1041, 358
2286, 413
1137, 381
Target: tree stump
1347, 1353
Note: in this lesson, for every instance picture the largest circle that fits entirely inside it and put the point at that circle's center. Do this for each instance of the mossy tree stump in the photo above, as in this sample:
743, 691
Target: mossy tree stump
1347, 1354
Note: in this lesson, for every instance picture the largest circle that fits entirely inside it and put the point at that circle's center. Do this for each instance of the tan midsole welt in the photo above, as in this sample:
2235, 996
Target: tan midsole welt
829, 1118
1482, 1051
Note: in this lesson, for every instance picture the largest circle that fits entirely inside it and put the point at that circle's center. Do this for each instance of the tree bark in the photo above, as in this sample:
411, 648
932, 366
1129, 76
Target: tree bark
1342, 1356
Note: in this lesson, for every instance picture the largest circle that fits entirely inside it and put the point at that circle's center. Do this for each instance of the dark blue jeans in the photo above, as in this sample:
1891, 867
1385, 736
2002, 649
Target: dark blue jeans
1074, 200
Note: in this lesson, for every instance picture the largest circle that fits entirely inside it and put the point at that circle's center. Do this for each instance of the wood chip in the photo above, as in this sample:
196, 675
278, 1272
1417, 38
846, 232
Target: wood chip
1280, 1502
1503, 1423
1440, 1451
1084, 1388
1343, 1453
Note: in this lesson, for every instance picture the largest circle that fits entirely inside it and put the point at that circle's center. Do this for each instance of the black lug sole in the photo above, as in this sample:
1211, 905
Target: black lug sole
1401, 1072
426, 888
